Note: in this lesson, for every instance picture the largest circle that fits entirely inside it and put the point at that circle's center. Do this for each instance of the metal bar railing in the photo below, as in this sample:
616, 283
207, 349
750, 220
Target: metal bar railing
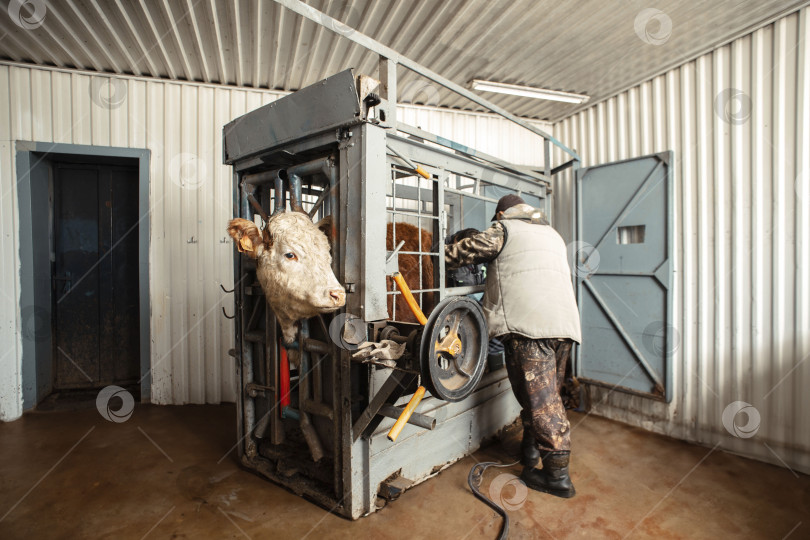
328, 22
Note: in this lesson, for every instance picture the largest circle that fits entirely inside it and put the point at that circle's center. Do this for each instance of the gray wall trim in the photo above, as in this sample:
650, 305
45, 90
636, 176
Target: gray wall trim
29, 336
29, 154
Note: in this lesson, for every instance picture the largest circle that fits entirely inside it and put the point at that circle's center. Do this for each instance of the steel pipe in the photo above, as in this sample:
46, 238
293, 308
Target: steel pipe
417, 419
264, 177
310, 167
324, 166
310, 435
316, 346
295, 191
244, 202
279, 196
258, 207
321, 198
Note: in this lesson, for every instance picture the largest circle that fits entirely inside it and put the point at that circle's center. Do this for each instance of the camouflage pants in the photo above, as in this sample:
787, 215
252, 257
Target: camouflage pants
536, 369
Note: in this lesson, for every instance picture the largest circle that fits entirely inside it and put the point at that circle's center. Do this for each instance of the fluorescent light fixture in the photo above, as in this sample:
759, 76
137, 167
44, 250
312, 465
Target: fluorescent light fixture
528, 91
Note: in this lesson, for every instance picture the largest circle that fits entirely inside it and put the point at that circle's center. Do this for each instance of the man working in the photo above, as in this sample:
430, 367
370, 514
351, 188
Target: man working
529, 304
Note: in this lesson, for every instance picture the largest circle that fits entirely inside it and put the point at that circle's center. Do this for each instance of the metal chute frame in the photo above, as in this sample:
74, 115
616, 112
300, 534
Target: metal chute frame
309, 185
343, 408
331, 155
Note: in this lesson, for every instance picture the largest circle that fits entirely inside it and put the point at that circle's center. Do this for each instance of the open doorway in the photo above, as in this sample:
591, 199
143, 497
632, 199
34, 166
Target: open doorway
84, 248
95, 276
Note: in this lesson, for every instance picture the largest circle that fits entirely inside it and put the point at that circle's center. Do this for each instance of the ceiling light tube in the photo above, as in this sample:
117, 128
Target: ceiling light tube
528, 91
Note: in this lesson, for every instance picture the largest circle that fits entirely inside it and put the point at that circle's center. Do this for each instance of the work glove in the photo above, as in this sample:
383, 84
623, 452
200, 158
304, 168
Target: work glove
385, 352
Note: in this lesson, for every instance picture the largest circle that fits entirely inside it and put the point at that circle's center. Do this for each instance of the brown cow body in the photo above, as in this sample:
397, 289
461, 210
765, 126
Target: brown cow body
409, 268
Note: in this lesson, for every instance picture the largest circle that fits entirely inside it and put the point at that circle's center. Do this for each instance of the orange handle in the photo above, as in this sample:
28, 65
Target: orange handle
409, 299
422, 172
406, 413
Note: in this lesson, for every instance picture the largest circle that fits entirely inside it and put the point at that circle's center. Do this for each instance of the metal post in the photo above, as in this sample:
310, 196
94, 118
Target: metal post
388, 88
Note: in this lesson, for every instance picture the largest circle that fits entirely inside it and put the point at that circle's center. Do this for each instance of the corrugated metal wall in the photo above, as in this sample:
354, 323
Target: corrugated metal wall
484, 132
190, 196
738, 121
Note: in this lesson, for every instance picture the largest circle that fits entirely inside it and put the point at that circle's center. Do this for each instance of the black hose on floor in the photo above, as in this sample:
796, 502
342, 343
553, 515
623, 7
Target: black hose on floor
474, 481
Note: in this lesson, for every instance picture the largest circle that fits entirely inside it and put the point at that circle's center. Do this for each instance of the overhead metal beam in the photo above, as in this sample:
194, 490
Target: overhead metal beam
323, 19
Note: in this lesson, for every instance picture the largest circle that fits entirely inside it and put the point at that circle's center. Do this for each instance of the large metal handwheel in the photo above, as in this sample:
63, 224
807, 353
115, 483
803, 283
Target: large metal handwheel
453, 350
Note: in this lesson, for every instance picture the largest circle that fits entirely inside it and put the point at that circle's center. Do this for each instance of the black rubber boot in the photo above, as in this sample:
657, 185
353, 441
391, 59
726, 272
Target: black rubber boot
553, 478
529, 453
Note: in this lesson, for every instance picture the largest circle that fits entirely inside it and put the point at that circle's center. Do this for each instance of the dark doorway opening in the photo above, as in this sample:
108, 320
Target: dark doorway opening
84, 272
95, 309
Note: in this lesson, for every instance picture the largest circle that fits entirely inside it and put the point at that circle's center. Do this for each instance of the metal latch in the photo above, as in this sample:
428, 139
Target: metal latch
253, 389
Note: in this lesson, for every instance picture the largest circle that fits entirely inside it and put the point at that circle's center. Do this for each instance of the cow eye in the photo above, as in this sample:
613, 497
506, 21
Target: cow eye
290, 255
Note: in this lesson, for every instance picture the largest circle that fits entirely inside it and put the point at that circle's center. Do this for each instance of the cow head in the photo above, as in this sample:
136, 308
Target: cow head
293, 266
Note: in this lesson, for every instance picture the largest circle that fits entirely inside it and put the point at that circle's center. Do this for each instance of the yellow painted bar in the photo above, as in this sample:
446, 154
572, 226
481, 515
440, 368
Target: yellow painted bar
406, 413
409, 299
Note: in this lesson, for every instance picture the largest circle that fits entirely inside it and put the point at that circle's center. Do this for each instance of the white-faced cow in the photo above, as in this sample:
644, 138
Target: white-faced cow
294, 266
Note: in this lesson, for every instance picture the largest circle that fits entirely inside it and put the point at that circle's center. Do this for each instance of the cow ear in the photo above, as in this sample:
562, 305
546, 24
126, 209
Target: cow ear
247, 236
325, 225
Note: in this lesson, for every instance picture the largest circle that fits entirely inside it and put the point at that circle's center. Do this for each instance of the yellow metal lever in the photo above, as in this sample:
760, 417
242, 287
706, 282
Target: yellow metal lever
406, 414
420, 392
417, 168
409, 299
421, 172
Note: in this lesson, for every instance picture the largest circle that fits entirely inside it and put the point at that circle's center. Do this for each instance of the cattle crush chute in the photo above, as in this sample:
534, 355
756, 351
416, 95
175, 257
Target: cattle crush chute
328, 150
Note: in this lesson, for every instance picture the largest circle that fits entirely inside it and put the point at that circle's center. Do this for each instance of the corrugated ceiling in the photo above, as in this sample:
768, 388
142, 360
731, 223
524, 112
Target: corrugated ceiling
593, 47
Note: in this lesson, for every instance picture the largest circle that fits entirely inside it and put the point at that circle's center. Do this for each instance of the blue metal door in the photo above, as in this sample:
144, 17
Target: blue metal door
622, 266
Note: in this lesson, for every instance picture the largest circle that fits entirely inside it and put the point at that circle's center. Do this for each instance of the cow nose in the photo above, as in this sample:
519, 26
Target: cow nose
338, 296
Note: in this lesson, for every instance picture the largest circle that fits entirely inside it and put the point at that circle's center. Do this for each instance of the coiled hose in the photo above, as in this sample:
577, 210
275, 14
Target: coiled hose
474, 481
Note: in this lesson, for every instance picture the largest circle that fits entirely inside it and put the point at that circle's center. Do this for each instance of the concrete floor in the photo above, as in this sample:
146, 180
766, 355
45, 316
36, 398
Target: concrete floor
167, 473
